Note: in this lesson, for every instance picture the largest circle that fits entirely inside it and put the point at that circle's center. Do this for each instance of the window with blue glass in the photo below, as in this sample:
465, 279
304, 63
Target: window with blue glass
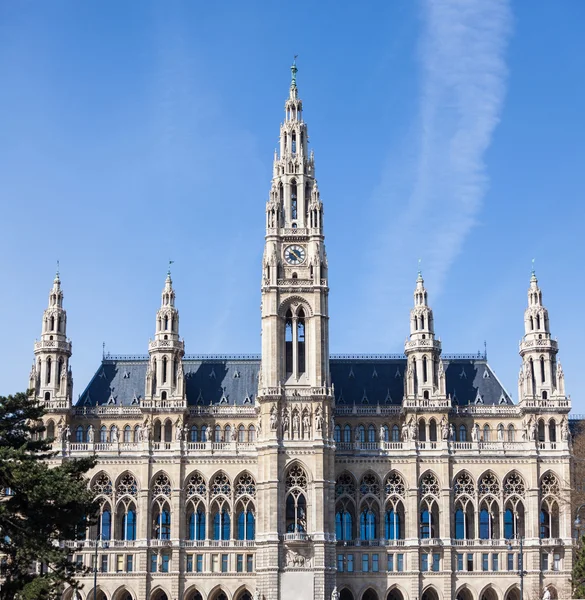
365, 563
390, 562
459, 524
460, 562
375, 563
246, 524
392, 523
347, 434
165, 560
340, 562
485, 562
105, 523
197, 524
436, 562
343, 524
368, 529
395, 433
221, 524
129, 526
350, 563
162, 523
425, 524
424, 562
508, 524
199, 563
484, 524
400, 562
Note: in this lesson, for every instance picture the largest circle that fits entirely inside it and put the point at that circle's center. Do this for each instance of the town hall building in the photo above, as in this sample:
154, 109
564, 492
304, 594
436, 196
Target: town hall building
298, 474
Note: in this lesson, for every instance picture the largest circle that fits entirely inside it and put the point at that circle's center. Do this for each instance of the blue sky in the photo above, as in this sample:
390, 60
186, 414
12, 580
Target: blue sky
133, 133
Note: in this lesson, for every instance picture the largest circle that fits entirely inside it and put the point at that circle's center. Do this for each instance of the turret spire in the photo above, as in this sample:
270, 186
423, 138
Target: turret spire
51, 376
425, 379
539, 377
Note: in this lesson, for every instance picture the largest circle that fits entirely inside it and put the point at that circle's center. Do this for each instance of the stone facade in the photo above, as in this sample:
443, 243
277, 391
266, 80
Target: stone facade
300, 474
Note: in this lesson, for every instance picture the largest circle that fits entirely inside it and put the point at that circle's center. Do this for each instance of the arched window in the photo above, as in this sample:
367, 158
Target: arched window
429, 509
227, 434
395, 433
511, 433
347, 434
217, 434
163, 523
197, 523
59, 369
288, 340
50, 430
103, 434
301, 340
164, 368
246, 522
79, 434
49, 370
393, 523
361, 434
486, 433
462, 433
168, 431
508, 524
294, 142
296, 503
484, 524
552, 431
371, 434
549, 507
432, 430
251, 433
221, 524
422, 430
459, 524
337, 434
127, 434
293, 200
193, 434
541, 431
424, 366
343, 525
542, 371
203, 433
105, 521
241, 434
126, 523
514, 494
368, 524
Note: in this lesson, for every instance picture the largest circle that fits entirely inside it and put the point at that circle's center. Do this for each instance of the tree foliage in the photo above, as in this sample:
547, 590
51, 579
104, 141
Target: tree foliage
578, 575
41, 505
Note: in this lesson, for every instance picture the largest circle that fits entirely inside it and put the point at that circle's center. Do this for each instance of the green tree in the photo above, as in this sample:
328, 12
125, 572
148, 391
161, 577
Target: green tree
578, 575
40, 505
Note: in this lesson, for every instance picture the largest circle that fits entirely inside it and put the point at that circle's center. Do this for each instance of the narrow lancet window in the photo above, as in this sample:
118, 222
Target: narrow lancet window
293, 201
288, 341
301, 341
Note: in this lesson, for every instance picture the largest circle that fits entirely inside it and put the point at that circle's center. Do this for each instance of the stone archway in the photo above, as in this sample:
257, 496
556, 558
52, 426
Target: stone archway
430, 594
121, 594
489, 594
193, 595
346, 594
159, 595
464, 594
395, 594
370, 594
218, 595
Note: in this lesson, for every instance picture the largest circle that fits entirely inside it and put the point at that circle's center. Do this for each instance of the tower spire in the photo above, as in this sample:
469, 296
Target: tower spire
425, 376
540, 377
164, 375
50, 376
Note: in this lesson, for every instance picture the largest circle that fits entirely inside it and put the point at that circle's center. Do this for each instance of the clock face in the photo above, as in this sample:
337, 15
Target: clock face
294, 255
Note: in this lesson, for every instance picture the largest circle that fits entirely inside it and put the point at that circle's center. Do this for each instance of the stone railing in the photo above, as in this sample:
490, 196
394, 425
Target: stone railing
222, 410
295, 282
186, 448
427, 403
164, 344
168, 404
107, 410
554, 403
53, 345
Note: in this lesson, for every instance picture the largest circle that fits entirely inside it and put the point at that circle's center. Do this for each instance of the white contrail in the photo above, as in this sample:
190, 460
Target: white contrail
430, 198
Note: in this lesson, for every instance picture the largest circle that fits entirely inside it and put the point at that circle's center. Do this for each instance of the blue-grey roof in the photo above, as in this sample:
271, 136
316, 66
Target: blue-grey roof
362, 380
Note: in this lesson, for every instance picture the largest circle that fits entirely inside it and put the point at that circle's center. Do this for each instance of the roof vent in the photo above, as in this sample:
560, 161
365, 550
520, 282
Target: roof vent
365, 398
486, 374
463, 374
236, 374
397, 374
375, 373
351, 374
212, 374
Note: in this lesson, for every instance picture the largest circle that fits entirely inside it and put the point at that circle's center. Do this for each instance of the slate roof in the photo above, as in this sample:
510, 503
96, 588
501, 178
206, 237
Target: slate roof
233, 380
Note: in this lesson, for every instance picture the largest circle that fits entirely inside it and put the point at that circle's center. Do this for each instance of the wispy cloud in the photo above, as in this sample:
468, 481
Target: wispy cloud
430, 196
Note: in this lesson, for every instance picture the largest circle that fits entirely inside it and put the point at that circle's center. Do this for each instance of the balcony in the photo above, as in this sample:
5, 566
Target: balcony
297, 536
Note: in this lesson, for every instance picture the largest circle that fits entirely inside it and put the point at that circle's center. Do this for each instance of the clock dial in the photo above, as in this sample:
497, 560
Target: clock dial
294, 255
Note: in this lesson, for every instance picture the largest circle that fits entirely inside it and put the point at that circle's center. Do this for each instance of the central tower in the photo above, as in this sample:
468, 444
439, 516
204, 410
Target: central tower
295, 446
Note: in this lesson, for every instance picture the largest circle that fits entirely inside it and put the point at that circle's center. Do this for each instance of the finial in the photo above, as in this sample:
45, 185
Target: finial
419, 269
103, 350
533, 272
57, 273
169, 269
293, 70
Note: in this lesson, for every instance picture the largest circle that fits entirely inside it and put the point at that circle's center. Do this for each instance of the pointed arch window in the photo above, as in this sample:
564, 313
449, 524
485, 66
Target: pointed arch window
462, 433
193, 435
241, 434
246, 523
542, 369
395, 433
59, 369
79, 434
294, 142
371, 434
347, 434
288, 341
164, 368
127, 434
197, 523
343, 524
103, 434
425, 369
49, 363
251, 433
301, 340
393, 522
221, 524
293, 200
486, 433
511, 433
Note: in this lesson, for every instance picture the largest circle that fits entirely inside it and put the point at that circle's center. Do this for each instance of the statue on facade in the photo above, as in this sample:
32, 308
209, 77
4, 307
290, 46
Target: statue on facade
382, 433
90, 435
318, 419
546, 595
306, 424
565, 431
66, 434
404, 432
444, 428
500, 434
179, 429
114, 435
256, 595
208, 434
451, 433
234, 436
335, 594
273, 418
533, 430
285, 421
475, 433
412, 429
296, 422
